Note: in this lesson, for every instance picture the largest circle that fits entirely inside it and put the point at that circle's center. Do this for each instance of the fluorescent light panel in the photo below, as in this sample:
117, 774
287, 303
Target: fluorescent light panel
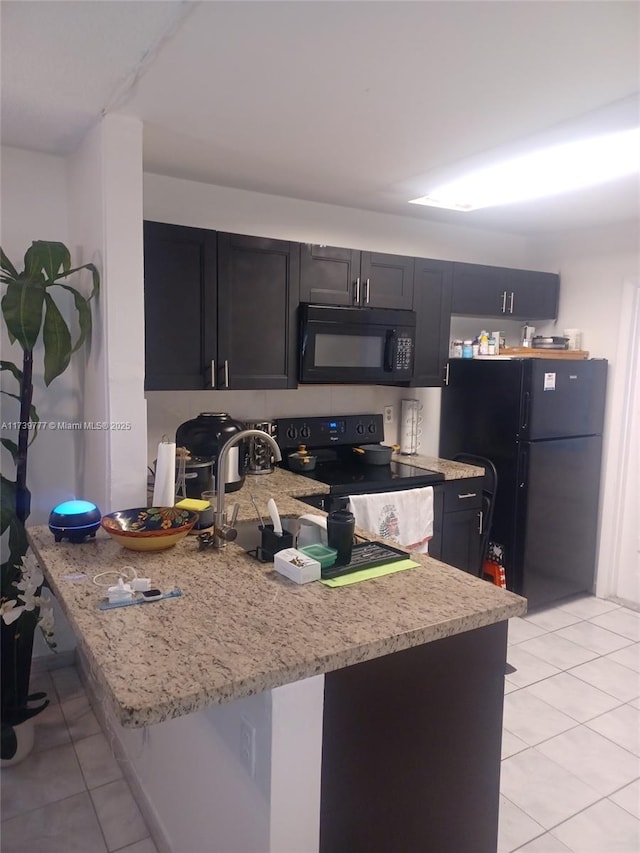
548, 172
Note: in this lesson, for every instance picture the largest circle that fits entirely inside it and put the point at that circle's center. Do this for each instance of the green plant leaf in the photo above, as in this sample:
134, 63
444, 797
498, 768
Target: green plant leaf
22, 311
12, 447
12, 368
48, 256
6, 265
7, 502
33, 415
84, 315
57, 341
94, 273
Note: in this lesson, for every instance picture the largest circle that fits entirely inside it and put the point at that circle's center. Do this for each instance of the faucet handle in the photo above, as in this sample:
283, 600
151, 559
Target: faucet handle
234, 515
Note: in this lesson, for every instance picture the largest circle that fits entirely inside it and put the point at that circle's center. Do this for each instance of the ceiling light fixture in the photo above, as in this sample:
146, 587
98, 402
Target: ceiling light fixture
548, 172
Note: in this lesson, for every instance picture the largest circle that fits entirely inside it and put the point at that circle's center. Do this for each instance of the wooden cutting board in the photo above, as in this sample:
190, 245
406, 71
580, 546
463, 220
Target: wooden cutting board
532, 352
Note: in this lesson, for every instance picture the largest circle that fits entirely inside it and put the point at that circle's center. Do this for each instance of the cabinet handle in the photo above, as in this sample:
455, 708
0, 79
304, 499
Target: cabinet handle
504, 302
468, 495
357, 299
480, 520
226, 373
446, 374
366, 292
511, 303
213, 373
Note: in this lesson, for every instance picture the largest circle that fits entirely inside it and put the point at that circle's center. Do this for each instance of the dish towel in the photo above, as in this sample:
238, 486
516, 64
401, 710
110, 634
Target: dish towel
406, 517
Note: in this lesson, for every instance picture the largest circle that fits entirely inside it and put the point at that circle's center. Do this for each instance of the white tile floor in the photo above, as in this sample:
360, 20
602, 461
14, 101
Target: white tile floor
571, 749
571, 736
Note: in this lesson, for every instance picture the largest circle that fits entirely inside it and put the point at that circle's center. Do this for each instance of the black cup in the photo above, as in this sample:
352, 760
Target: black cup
340, 529
271, 543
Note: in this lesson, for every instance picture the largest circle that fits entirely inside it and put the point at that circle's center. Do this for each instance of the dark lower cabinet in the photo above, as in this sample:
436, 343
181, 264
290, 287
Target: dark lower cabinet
432, 303
411, 749
258, 294
180, 292
220, 310
486, 291
457, 525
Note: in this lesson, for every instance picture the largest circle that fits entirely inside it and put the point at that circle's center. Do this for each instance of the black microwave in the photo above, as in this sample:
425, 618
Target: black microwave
339, 345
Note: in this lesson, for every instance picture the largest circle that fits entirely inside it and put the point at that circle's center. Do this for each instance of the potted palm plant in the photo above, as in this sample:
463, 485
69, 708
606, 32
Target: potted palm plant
31, 316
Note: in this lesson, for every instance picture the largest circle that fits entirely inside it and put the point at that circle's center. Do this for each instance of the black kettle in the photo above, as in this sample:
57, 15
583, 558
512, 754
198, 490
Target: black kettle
206, 435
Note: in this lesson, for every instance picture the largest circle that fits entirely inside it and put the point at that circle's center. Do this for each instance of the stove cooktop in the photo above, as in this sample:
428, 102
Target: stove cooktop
352, 478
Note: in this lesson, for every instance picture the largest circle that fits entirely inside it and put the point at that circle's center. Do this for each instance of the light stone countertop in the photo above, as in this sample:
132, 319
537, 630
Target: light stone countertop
241, 628
447, 467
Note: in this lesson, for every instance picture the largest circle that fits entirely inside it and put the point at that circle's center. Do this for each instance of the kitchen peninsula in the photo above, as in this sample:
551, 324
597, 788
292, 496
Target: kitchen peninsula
257, 715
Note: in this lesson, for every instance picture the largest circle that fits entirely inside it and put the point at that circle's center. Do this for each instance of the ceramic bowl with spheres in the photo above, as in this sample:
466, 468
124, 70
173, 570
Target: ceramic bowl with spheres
149, 528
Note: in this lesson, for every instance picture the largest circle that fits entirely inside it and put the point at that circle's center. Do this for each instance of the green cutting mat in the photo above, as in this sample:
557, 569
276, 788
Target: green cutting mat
375, 572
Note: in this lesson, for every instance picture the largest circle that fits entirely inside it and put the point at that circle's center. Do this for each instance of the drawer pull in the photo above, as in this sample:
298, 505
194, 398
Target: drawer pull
468, 495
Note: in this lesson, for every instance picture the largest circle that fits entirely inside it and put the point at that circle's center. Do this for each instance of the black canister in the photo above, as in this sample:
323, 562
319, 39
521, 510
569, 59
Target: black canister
206, 435
198, 476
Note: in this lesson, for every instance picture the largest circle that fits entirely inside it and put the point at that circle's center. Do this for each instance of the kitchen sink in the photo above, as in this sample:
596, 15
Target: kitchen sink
249, 536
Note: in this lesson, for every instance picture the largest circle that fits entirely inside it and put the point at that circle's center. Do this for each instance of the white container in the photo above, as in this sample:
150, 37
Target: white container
575, 338
296, 566
313, 530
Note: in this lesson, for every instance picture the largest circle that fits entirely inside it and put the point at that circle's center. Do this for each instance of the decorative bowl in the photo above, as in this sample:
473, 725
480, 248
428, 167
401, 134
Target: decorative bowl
149, 528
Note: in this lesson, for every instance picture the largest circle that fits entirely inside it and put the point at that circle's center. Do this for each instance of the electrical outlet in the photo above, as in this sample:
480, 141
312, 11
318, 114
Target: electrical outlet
388, 414
248, 746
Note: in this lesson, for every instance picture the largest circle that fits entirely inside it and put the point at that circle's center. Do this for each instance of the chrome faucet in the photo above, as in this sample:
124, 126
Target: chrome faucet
223, 532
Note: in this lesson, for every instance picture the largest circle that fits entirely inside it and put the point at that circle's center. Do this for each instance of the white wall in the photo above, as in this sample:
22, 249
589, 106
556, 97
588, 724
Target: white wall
106, 215
219, 208
34, 206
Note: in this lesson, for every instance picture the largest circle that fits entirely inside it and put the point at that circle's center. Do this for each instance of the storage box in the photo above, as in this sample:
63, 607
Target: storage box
296, 566
324, 555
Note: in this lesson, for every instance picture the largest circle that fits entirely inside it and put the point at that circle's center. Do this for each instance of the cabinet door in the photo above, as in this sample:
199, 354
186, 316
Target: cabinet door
479, 291
328, 274
432, 304
483, 291
535, 295
258, 293
386, 280
179, 303
461, 540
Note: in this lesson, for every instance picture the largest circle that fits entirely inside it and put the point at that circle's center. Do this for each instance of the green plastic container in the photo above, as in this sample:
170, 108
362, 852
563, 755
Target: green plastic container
325, 556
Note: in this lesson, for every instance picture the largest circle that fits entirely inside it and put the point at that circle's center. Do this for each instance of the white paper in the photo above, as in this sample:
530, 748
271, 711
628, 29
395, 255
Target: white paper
164, 489
549, 382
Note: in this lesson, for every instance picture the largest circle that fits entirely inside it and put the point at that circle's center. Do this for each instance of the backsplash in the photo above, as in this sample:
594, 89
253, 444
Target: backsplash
166, 410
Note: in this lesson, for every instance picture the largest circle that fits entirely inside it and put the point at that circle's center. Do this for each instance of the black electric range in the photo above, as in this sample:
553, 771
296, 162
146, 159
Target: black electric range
332, 440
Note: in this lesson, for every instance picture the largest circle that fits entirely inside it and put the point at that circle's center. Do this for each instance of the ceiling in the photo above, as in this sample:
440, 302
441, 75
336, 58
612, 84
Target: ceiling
359, 104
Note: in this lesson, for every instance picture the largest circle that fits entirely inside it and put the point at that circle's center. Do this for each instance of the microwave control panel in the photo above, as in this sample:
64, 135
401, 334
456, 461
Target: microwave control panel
404, 354
329, 431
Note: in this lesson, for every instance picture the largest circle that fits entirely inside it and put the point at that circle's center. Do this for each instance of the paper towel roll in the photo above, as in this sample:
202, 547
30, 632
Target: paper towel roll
164, 489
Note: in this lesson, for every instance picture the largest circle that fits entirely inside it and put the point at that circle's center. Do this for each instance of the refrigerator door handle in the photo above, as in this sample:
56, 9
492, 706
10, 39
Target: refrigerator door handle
522, 469
525, 410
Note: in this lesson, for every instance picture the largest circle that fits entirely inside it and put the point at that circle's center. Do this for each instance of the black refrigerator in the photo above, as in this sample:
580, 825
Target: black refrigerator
540, 422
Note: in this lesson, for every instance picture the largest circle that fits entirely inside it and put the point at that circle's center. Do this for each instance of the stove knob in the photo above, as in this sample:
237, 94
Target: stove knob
305, 431
371, 427
360, 429
292, 433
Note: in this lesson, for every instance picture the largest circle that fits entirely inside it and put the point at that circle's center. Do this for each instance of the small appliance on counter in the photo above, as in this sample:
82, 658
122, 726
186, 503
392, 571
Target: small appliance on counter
259, 458
205, 437
74, 520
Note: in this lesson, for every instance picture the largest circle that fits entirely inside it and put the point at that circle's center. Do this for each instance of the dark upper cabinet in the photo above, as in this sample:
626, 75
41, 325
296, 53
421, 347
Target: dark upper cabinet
220, 310
432, 304
485, 291
331, 275
258, 294
179, 303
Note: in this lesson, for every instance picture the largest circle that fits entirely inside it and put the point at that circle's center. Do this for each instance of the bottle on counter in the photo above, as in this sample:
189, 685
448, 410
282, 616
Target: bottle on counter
467, 350
484, 343
491, 345
456, 349
499, 337
475, 347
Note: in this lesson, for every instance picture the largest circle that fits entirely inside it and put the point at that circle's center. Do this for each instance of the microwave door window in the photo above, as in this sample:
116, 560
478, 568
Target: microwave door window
348, 351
